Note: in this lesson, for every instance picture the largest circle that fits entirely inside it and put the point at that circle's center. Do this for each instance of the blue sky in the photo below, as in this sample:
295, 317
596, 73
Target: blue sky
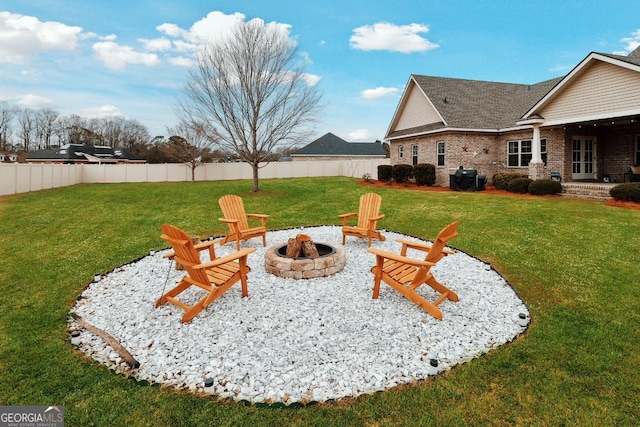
130, 58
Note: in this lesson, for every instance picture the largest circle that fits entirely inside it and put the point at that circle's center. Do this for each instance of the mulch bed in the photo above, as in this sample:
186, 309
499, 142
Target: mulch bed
489, 190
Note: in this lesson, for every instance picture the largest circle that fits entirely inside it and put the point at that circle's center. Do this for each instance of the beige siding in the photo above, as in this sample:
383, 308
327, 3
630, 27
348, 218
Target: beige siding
602, 88
417, 111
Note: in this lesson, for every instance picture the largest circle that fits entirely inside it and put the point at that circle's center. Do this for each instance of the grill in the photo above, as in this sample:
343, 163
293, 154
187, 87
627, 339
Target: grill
467, 180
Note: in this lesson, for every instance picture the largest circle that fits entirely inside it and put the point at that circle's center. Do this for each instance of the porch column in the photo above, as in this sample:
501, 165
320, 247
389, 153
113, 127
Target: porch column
536, 166
536, 150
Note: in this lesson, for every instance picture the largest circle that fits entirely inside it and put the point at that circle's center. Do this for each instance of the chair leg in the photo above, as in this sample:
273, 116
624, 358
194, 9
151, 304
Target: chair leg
177, 290
377, 271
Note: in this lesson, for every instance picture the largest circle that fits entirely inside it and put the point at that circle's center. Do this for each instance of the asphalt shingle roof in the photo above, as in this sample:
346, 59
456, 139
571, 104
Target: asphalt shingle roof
330, 144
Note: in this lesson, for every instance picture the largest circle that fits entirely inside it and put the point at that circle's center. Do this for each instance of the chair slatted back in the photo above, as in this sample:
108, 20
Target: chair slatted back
185, 253
369, 207
233, 208
449, 232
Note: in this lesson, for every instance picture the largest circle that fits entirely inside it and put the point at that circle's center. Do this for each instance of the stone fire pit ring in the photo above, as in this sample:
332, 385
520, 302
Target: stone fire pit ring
305, 268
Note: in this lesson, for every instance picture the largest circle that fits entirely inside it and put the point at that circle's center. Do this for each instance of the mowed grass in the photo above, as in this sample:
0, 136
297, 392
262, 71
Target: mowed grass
574, 262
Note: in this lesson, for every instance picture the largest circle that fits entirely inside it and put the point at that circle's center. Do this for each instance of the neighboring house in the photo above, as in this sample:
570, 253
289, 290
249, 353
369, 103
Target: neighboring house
84, 153
585, 125
7, 157
331, 147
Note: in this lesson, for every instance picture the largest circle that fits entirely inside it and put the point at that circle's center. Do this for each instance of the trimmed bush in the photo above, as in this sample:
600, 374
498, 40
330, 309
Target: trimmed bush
384, 173
541, 187
425, 174
402, 173
519, 185
501, 180
628, 192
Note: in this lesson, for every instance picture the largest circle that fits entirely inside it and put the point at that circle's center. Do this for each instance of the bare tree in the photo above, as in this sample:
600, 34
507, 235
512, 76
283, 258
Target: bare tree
7, 112
45, 119
26, 126
251, 93
188, 144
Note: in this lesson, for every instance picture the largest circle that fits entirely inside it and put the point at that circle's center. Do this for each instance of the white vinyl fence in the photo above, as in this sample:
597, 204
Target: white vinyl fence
21, 178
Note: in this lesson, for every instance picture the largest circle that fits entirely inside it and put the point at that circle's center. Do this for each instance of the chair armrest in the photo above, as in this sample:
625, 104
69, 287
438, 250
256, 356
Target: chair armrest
232, 257
204, 245
229, 221
258, 216
261, 217
426, 247
414, 245
345, 217
199, 247
395, 257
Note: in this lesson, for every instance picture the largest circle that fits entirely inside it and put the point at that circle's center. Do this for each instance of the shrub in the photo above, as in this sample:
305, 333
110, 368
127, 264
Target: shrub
367, 177
402, 173
628, 192
384, 173
540, 187
501, 180
425, 174
519, 185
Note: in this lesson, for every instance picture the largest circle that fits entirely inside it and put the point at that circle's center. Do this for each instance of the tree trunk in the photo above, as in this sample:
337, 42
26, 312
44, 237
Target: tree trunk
256, 188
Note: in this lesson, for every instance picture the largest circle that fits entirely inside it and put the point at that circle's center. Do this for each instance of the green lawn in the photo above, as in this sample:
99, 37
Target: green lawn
574, 262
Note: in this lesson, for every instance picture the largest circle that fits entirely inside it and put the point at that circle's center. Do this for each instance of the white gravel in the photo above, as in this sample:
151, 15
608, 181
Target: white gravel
298, 340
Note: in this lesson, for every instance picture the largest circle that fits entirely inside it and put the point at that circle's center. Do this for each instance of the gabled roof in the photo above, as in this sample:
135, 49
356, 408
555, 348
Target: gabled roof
474, 104
83, 153
331, 145
631, 61
438, 103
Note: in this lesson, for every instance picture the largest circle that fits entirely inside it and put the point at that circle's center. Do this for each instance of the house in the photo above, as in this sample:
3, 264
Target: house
84, 153
9, 157
331, 147
584, 126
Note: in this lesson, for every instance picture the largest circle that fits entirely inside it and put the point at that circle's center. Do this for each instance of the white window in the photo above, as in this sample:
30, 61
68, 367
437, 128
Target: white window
519, 152
401, 151
440, 153
414, 154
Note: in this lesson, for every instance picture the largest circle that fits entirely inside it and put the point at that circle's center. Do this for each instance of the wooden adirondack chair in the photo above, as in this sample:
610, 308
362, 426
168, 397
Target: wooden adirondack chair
368, 216
406, 274
215, 276
237, 220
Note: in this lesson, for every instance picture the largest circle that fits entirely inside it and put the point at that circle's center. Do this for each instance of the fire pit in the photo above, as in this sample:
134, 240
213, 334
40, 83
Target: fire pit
330, 260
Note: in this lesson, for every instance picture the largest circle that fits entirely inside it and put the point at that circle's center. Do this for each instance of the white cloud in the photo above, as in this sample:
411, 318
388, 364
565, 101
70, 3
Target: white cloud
379, 92
182, 61
213, 27
31, 100
631, 43
117, 57
210, 28
101, 111
159, 44
386, 36
22, 37
360, 135
311, 79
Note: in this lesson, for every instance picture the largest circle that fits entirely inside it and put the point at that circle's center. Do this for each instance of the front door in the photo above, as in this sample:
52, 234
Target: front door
583, 158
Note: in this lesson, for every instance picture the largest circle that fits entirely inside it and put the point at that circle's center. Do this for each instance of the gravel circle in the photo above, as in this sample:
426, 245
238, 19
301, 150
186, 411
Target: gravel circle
297, 341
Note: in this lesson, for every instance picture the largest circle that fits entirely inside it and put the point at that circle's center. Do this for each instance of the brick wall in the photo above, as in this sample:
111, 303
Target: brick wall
615, 151
468, 149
